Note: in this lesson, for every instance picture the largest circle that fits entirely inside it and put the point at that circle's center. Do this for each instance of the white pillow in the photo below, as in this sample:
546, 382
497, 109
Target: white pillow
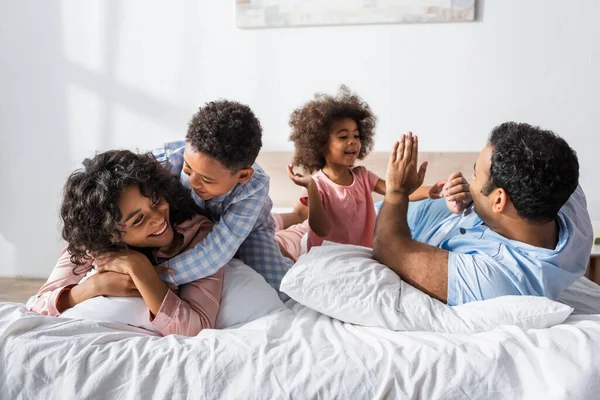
344, 282
124, 310
245, 297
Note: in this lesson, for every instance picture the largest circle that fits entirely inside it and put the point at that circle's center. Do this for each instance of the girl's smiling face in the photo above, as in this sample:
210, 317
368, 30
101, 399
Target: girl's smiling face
344, 144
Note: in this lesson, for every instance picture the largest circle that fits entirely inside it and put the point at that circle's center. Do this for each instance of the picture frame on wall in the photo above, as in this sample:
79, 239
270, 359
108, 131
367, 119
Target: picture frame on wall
296, 13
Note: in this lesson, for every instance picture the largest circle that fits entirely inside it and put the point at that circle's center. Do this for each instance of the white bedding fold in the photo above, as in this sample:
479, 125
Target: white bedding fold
294, 353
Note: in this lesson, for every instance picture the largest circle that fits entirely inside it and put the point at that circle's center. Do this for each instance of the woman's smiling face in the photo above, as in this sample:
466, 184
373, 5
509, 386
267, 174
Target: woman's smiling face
145, 220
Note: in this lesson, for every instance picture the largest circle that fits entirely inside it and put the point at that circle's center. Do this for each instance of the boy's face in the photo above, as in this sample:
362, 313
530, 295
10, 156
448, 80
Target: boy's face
208, 177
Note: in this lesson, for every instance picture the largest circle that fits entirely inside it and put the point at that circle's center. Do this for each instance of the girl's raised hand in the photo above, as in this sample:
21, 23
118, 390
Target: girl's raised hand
435, 192
298, 179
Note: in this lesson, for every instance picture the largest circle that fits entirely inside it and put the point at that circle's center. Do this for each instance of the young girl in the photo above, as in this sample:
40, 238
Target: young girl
126, 203
330, 134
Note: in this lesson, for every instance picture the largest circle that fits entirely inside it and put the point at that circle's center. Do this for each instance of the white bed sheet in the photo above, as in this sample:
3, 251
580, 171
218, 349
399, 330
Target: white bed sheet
294, 353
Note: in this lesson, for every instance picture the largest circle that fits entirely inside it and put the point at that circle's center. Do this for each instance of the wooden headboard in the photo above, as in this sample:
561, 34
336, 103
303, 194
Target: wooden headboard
285, 194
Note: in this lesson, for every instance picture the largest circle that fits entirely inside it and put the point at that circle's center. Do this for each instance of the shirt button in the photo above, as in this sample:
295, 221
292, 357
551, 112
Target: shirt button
463, 231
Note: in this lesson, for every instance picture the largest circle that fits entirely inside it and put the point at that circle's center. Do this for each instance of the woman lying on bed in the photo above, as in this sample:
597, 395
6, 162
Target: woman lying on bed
127, 203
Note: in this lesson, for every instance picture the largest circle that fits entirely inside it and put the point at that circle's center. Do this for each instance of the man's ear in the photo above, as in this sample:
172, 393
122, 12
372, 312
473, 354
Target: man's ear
501, 201
245, 174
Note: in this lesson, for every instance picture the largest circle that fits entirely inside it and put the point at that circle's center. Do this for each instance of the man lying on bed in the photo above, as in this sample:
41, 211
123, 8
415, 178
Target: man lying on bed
526, 232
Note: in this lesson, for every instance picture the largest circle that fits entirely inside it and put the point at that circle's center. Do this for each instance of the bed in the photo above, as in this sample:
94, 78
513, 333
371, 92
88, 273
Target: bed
297, 352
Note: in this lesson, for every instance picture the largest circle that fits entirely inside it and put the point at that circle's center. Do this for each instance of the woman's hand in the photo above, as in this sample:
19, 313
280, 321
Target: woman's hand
108, 282
299, 179
126, 262
122, 262
112, 284
100, 284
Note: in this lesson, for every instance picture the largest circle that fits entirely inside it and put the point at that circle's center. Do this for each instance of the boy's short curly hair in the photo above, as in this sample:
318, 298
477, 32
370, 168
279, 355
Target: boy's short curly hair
227, 131
90, 211
312, 122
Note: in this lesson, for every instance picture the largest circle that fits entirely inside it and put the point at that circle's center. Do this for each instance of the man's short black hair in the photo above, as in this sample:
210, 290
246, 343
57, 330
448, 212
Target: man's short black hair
537, 168
227, 131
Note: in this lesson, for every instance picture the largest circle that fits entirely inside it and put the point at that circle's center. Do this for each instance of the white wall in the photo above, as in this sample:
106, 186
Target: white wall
76, 77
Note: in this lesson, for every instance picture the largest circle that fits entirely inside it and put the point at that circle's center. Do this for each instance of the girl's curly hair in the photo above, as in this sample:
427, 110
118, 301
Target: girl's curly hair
312, 122
89, 208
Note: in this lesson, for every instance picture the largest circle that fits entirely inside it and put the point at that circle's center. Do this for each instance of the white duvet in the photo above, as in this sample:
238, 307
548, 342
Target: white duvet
294, 353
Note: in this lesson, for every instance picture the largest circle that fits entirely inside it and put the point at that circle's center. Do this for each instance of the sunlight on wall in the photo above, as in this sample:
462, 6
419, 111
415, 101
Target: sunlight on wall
84, 122
160, 46
83, 33
8, 252
138, 131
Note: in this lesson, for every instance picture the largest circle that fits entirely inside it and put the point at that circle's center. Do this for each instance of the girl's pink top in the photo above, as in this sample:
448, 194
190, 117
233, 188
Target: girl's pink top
350, 209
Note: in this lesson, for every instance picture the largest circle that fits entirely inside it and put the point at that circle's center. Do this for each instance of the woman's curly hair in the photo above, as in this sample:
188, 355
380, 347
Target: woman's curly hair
312, 122
89, 209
